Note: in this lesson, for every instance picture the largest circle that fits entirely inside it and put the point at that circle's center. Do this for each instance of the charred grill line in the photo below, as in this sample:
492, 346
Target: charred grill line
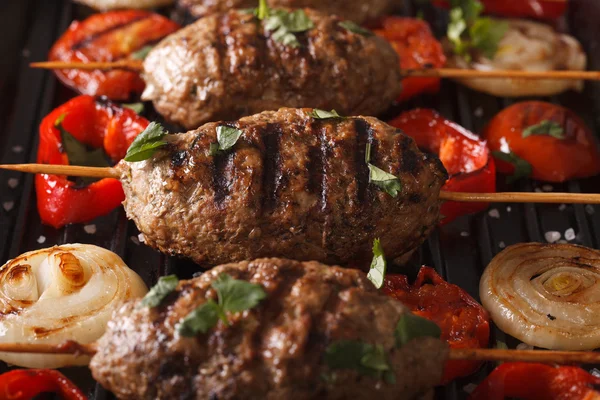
364, 135
272, 173
323, 154
97, 35
221, 168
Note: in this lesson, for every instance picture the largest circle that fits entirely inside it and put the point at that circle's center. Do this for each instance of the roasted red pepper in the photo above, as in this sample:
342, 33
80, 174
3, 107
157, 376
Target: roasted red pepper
109, 36
561, 148
464, 322
527, 381
95, 124
466, 158
541, 9
417, 48
25, 384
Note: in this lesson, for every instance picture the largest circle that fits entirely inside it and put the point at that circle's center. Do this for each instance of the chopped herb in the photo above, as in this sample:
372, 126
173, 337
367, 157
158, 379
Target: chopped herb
233, 296
284, 24
368, 153
378, 265
142, 53
138, 108
146, 143
355, 28
388, 182
227, 137
522, 168
411, 326
366, 358
551, 317
164, 286
323, 114
262, 11
546, 127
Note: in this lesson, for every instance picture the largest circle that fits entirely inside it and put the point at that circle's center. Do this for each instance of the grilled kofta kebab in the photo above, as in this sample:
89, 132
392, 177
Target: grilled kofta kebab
293, 185
358, 11
232, 64
319, 333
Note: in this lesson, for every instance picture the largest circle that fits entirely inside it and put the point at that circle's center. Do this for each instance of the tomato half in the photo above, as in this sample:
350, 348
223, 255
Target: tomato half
552, 159
465, 157
417, 48
542, 9
464, 322
109, 36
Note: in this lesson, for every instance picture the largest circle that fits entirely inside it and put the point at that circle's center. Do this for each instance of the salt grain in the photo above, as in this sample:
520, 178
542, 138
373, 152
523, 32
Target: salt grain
508, 209
570, 234
41, 239
562, 207
464, 234
547, 188
17, 149
13, 183
552, 236
595, 372
590, 209
501, 245
135, 240
478, 112
141, 238
524, 346
494, 213
91, 229
8, 205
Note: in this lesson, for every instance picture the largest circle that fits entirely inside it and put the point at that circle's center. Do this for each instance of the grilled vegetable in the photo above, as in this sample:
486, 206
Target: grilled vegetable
64, 292
104, 5
555, 143
542, 9
26, 384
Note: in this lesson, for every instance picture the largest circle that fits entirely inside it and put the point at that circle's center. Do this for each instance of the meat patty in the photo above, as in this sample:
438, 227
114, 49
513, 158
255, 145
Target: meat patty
273, 351
354, 10
292, 186
227, 65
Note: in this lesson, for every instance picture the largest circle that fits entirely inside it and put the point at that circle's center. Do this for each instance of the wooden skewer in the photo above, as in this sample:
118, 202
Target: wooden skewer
137, 65
505, 197
541, 356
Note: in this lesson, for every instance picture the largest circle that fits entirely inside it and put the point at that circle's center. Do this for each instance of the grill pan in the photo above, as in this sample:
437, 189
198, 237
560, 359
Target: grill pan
458, 251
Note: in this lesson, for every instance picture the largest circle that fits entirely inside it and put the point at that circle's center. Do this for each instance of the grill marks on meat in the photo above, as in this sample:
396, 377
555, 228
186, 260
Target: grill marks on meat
355, 10
227, 65
292, 186
274, 351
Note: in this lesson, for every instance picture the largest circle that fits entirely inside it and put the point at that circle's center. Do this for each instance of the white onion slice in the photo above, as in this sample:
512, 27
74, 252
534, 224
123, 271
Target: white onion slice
526, 46
61, 293
546, 295
105, 5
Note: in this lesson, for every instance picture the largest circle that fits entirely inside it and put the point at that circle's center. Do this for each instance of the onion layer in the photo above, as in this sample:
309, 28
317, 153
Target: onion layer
546, 295
61, 293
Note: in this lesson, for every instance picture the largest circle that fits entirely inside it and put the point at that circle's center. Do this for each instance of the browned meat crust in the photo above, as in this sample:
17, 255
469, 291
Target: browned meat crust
274, 351
226, 65
355, 10
293, 187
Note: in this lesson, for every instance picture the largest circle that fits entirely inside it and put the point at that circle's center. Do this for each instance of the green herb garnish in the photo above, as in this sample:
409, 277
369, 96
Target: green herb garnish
142, 53
262, 11
355, 28
411, 326
366, 358
146, 143
284, 24
388, 182
378, 265
138, 108
233, 296
546, 127
522, 168
227, 137
164, 286
323, 114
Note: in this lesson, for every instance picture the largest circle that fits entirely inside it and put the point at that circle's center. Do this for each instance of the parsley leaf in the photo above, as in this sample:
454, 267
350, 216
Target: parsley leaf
411, 326
146, 143
323, 114
285, 24
378, 265
227, 137
164, 286
366, 358
262, 11
138, 108
355, 28
142, 53
388, 182
234, 296
522, 168
545, 127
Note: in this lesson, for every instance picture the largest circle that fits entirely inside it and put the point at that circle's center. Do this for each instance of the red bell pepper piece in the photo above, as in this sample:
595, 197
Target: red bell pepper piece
541, 9
465, 156
99, 125
527, 381
25, 384
464, 322
552, 159
108, 36
417, 48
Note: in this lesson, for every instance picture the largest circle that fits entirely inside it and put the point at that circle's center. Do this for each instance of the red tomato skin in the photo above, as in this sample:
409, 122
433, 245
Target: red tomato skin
552, 159
417, 48
26, 384
59, 201
541, 9
465, 157
464, 322
108, 36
